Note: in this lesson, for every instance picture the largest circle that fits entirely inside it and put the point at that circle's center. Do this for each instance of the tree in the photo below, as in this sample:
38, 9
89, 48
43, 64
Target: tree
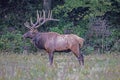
47, 5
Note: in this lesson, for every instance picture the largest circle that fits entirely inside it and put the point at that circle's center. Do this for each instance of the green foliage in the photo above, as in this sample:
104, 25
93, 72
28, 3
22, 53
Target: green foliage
56, 29
12, 41
81, 28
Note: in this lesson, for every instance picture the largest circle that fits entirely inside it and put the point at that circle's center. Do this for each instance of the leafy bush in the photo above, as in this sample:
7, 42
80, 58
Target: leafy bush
12, 41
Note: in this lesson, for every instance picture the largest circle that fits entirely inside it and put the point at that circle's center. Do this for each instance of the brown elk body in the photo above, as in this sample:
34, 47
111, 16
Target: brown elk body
52, 41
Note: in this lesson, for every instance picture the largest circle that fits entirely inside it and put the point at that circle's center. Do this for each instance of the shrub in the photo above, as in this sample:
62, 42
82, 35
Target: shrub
12, 41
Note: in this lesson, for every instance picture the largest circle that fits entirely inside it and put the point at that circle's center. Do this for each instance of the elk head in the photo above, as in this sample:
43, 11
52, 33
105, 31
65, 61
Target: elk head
41, 19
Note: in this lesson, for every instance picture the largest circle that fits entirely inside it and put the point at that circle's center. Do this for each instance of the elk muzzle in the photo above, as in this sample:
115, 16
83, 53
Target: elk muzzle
24, 36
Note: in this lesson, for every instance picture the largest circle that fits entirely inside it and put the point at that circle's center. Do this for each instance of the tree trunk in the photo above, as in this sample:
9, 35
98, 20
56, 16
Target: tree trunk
47, 5
46, 8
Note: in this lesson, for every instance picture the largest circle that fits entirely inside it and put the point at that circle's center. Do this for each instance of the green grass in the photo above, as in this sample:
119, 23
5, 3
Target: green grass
65, 67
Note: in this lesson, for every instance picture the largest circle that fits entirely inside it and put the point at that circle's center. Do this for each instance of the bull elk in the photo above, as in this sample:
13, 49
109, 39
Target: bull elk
52, 41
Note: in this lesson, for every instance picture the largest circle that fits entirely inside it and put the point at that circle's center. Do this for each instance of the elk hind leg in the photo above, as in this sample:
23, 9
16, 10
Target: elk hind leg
81, 59
76, 51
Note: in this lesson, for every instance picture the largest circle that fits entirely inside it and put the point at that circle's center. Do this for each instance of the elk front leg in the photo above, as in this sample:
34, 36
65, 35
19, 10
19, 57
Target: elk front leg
51, 55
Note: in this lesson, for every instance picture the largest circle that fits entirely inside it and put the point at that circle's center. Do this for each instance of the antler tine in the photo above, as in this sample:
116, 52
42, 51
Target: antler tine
27, 25
42, 18
31, 22
38, 16
50, 14
38, 19
43, 14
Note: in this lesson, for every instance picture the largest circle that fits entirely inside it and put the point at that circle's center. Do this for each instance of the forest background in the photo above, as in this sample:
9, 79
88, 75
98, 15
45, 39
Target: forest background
97, 21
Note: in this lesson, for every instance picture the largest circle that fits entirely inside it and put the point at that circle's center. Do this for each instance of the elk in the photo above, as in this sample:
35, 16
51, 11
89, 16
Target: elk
52, 41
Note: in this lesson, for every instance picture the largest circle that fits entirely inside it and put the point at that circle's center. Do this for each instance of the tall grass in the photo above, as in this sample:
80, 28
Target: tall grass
65, 67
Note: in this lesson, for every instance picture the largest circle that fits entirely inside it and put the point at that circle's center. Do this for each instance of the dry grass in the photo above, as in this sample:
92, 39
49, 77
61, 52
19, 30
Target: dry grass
66, 67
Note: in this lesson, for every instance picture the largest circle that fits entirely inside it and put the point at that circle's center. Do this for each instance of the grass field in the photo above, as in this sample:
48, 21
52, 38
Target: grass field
66, 67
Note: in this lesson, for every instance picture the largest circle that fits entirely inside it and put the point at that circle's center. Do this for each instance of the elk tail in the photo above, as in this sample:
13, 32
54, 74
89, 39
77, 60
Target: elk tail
81, 41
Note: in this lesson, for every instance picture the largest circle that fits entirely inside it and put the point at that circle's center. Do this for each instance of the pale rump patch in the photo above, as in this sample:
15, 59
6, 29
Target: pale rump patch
79, 39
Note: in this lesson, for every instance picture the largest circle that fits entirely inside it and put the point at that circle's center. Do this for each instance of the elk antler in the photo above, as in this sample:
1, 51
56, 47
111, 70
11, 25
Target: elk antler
41, 19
